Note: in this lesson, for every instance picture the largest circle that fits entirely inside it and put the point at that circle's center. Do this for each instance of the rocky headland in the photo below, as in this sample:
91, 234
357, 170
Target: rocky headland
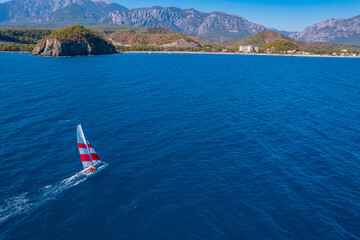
75, 40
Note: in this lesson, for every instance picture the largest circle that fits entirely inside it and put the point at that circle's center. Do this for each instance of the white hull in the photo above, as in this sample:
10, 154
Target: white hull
87, 172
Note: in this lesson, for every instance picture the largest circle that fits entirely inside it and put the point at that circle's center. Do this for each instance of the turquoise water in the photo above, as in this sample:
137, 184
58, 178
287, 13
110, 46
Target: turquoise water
198, 146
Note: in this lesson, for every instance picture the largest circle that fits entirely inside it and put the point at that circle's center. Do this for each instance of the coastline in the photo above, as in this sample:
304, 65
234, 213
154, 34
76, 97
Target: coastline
14, 52
241, 54
217, 53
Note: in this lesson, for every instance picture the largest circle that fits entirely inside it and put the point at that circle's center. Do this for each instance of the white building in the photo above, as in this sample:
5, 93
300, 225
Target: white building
248, 49
303, 53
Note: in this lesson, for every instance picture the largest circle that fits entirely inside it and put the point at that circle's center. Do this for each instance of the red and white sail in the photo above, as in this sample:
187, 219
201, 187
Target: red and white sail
94, 157
83, 148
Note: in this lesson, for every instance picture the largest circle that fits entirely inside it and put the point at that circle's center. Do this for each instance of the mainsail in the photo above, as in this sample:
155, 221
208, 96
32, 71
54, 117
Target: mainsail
94, 157
83, 148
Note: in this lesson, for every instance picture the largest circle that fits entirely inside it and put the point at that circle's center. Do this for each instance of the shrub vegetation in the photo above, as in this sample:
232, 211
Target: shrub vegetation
15, 47
26, 36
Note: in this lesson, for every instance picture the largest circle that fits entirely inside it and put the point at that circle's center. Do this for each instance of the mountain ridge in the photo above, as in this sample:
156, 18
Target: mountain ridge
337, 30
61, 13
214, 25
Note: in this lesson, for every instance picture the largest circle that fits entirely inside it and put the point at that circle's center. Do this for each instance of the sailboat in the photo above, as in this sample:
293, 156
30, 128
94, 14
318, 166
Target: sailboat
90, 160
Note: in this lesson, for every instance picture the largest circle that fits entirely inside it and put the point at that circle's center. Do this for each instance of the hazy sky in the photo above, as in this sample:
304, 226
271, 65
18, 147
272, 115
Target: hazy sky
291, 15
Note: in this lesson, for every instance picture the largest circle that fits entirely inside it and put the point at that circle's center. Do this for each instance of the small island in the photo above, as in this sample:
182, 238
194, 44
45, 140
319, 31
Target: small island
75, 40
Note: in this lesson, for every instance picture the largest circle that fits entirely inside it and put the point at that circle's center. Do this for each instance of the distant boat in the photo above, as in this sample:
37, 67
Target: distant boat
90, 160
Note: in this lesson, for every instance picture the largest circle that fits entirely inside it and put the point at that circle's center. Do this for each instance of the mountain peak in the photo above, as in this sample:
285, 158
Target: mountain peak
266, 37
100, 1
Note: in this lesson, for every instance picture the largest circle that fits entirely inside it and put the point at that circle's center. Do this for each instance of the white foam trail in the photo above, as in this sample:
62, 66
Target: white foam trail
28, 202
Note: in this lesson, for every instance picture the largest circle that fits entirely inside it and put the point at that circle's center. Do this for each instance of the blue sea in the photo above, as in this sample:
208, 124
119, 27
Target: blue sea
199, 147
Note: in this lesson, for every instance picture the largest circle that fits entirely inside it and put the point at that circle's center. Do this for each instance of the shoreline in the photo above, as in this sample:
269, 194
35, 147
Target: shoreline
241, 54
217, 53
14, 52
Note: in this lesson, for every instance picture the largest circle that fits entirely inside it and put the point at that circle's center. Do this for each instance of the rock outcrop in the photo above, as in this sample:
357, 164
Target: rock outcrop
73, 41
181, 43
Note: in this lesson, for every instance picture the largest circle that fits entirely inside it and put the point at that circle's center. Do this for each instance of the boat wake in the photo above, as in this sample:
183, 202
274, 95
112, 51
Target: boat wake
27, 202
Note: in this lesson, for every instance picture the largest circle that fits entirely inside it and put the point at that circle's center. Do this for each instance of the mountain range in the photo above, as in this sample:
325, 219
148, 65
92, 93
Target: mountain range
60, 13
216, 26
57, 12
337, 30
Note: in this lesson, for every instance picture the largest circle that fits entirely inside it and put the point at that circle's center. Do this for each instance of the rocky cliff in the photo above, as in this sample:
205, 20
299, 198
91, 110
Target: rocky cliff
336, 30
73, 41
